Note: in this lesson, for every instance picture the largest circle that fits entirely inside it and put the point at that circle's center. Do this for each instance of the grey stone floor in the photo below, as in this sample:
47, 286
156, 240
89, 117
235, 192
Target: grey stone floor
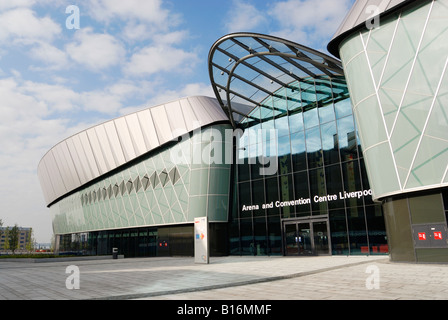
225, 278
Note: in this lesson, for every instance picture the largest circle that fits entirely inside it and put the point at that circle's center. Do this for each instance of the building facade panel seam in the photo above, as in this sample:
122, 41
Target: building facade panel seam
382, 114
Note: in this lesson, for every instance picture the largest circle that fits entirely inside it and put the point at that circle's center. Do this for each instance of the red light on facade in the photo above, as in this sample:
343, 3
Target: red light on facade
421, 236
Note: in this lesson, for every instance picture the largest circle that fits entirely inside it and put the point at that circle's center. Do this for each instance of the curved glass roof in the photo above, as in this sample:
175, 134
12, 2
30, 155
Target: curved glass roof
246, 68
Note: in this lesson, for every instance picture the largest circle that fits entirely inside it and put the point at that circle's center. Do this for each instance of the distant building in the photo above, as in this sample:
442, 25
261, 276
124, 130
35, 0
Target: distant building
24, 238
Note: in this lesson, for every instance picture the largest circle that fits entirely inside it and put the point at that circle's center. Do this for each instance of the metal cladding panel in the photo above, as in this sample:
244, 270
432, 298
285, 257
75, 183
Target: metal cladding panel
125, 139
56, 178
362, 11
89, 157
176, 118
136, 134
76, 160
45, 182
191, 120
66, 166
163, 129
148, 129
200, 111
103, 148
97, 150
114, 141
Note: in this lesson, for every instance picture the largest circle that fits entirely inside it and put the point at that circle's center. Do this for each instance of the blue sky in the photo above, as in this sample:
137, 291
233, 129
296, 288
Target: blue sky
126, 55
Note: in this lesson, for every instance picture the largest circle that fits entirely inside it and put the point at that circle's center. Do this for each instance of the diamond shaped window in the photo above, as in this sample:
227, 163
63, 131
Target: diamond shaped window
174, 175
163, 178
154, 179
145, 182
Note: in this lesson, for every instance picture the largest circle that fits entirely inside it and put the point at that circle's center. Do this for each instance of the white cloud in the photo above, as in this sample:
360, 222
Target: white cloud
21, 25
308, 21
149, 11
9, 4
53, 57
143, 19
161, 57
96, 51
244, 17
164, 96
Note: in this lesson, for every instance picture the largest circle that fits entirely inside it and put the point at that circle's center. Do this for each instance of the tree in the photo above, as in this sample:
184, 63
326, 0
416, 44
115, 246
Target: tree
30, 241
1, 229
14, 237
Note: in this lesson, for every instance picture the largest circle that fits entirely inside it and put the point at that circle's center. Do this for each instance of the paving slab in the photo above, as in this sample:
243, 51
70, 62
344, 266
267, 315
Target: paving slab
225, 278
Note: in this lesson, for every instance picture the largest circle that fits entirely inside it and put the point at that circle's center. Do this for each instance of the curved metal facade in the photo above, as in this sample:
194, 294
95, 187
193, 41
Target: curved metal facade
397, 78
361, 12
99, 150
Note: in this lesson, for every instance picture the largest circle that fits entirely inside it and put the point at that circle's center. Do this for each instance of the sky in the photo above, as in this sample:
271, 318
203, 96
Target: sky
67, 65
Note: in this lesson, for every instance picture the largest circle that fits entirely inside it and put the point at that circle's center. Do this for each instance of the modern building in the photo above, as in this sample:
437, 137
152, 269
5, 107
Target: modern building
274, 161
395, 59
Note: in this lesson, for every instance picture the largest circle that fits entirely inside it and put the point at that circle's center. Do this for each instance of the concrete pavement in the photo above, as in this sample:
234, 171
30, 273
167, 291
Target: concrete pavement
225, 278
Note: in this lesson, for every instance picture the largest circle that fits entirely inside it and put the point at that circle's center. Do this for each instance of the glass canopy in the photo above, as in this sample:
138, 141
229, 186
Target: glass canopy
247, 68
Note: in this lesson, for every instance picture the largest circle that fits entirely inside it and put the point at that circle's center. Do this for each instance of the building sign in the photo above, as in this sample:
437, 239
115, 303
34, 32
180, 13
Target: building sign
438, 235
302, 201
201, 243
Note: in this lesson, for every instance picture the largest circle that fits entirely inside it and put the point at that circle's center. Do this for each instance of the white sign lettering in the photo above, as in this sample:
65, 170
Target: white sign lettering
302, 201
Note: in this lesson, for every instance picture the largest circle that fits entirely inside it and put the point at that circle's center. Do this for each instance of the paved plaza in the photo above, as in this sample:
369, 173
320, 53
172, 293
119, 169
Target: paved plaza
225, 278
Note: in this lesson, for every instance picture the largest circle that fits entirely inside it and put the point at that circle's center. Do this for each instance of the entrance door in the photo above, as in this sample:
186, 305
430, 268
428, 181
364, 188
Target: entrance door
306, 238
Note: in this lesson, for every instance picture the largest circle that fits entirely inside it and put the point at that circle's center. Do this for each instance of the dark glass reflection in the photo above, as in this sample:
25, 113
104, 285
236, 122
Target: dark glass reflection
318, 160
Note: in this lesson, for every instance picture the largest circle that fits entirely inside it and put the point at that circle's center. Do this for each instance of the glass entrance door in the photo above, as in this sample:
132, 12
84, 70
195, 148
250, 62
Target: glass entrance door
320, 236
304, 238
291, 240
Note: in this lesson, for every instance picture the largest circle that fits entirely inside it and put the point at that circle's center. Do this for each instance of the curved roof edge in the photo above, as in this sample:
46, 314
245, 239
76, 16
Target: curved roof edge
100, 149
362, 11
245, 68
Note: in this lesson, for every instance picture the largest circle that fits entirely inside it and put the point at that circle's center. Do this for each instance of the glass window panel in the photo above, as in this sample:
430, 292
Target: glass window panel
296, 122
244, 196
286, 194
247, 237
334, 185
338, 227
260, 236
330, 143
352, 182
302, 193
318, 189
347, 138
314, 147
258, 196
298, 151
281, 125
294, 101
274, 235
343, 108
272, 194
357, 231
310, 116
326, 113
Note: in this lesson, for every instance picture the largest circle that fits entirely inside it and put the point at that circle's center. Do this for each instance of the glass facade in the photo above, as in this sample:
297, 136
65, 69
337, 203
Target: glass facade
397, 76
320, 174
172, 185
290, 179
